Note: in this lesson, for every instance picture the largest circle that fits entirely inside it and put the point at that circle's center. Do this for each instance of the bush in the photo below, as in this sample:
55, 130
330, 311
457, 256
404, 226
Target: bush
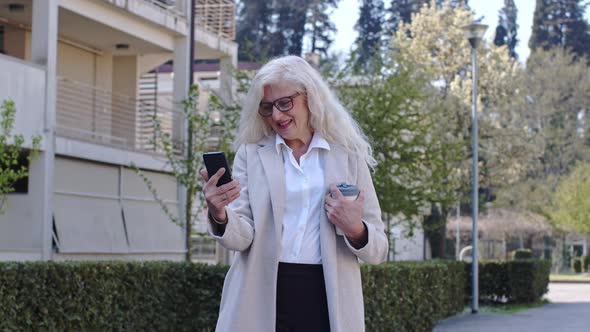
585, 263
518, 281
169, 296
576, 264
154, 296
411, 296
522, 254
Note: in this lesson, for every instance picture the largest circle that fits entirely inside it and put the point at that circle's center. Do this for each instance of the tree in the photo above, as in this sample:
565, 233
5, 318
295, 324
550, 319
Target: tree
434, 43
388, 104
289, 27
253, 29
369, 27
319, 27
507, 27
185, 169
560, 23
556, 92
11, 147
571, 208
401, 11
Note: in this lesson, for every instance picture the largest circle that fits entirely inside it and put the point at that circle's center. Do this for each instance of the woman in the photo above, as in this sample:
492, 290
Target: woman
297, 239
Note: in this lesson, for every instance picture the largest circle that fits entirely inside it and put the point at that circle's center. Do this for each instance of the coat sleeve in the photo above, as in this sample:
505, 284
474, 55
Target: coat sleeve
375, 251
238, 233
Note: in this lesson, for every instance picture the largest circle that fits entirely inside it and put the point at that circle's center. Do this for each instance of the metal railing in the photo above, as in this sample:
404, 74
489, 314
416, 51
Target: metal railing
88, 113
217, 16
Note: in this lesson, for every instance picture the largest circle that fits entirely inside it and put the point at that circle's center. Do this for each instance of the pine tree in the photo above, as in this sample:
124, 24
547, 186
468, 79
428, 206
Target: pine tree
401, 11
253, 29
370, 29
319, 26
507, 27
560, 23
289, 27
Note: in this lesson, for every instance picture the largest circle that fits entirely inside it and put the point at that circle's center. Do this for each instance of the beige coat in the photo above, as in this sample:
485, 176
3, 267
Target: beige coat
254, 232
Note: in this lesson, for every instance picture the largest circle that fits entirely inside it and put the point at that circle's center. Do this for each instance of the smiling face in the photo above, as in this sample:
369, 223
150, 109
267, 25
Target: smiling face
292, 125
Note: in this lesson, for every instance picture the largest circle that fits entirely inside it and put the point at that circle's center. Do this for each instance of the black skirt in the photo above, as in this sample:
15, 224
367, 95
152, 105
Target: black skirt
301, 299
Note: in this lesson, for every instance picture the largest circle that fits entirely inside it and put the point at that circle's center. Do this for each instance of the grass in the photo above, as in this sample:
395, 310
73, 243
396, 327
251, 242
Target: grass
569, 277
505, 308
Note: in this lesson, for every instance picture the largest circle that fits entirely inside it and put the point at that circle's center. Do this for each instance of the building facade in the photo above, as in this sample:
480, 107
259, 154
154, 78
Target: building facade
78, 73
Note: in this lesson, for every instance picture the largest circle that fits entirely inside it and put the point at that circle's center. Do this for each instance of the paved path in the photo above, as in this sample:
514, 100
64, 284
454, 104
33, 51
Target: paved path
569, 311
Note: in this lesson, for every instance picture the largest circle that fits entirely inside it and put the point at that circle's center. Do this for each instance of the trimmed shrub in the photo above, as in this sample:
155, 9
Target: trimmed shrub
411, 296
170, 296
130, 296
585, 263
518, 281
576, 264
522, 254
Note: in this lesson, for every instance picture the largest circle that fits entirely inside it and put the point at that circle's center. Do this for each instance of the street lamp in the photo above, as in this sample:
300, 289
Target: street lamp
474, 33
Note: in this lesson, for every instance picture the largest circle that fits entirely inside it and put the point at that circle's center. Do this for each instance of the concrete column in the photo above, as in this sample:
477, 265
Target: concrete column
44, 52
180, 87
227, 66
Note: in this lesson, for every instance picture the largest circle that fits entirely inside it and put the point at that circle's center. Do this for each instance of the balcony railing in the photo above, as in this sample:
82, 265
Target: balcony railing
88, 113
217, 16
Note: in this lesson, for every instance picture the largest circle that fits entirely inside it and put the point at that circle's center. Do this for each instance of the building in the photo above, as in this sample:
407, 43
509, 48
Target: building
79, 74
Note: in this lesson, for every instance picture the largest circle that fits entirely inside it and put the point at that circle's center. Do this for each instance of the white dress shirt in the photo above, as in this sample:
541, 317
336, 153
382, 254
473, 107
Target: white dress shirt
305, 187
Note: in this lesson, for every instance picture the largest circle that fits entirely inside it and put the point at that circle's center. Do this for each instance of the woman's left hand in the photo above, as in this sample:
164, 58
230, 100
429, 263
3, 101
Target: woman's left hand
347, 215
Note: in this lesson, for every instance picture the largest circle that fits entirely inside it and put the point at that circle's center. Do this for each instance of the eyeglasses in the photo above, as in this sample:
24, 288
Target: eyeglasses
283, 104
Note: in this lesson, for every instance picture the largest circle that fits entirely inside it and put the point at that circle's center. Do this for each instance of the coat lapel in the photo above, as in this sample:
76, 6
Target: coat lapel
336, 171
274, 170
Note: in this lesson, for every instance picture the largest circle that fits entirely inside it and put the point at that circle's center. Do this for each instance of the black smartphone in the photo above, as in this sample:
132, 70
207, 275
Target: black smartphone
213, 162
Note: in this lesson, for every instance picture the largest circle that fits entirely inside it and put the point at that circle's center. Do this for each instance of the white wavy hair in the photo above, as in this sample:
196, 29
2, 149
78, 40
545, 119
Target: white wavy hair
328, 117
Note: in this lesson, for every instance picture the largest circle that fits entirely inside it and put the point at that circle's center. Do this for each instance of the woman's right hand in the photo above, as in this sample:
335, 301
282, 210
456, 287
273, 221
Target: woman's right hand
218, 198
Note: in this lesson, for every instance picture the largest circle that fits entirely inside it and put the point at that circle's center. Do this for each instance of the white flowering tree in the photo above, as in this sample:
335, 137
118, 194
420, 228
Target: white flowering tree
434, 43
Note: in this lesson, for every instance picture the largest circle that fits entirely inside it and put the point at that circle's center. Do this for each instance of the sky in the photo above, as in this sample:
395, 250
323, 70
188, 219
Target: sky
346, 15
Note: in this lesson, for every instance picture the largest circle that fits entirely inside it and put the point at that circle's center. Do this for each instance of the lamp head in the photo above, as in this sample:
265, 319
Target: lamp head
474, 32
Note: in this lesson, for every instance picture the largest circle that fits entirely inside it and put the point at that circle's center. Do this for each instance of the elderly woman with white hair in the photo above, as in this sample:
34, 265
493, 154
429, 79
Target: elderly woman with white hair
297, 239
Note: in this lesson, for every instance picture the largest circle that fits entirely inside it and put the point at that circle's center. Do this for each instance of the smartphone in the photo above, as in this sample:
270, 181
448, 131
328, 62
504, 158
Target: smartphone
213, 162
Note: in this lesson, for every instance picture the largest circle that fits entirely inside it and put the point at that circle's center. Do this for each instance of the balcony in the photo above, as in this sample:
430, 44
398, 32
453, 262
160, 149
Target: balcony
88, 113
217, 16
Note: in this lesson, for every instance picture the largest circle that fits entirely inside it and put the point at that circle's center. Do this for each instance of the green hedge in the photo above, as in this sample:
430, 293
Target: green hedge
576, 264
155, 296
410, 296
518, 281
522, 254
585, 260
168, 296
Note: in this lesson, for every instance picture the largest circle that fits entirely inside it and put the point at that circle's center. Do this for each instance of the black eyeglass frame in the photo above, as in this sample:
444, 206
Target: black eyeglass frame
274, 104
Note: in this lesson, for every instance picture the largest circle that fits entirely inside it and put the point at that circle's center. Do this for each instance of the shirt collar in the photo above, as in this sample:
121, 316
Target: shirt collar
317, 141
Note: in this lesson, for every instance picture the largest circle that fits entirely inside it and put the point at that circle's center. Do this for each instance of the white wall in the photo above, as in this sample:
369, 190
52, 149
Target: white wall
24, 84
408, 246
21, 226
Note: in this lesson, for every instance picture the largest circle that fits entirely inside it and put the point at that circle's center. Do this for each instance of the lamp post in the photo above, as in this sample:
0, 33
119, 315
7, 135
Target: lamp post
474, 33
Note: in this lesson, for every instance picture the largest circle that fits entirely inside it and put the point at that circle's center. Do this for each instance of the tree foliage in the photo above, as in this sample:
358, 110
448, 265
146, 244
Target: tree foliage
571, 209
201, 129
11, 147
254, 26
267, 29
556, 89
434, 43
560, 23
368, 43
320, 28
507, 29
